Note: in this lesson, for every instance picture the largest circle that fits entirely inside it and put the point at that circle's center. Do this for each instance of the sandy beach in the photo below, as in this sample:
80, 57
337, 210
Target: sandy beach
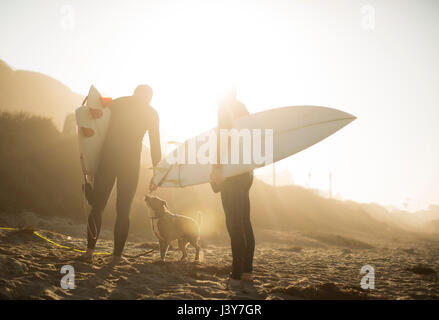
304, 267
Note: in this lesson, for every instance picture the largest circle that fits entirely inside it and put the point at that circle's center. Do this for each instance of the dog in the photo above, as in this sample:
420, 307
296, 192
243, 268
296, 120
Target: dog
173, 227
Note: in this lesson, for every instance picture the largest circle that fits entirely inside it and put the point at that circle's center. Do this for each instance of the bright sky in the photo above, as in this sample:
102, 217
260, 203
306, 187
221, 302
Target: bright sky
377, 60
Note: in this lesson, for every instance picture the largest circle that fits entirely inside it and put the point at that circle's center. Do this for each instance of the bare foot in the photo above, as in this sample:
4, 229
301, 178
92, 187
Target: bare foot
117, 260
247, 278
86, 257
234, 284
248, 287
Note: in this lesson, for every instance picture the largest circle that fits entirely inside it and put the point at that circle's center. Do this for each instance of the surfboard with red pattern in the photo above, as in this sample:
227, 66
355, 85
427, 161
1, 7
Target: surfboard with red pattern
92, 118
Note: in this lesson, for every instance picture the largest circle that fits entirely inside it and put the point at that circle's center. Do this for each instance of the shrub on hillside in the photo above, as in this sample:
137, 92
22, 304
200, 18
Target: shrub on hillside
39, 169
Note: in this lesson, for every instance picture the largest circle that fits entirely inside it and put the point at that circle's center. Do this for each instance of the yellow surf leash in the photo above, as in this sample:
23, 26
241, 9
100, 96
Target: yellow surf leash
3, 228
54, 243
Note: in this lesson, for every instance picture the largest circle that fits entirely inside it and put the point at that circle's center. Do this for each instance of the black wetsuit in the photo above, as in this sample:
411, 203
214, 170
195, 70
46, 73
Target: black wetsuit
236, 201
131, 117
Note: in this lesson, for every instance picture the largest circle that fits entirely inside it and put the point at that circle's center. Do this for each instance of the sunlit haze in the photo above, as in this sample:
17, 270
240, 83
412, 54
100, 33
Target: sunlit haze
277, 53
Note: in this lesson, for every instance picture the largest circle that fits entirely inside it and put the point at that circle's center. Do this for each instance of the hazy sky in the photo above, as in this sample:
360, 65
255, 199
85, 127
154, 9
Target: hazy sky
377, 60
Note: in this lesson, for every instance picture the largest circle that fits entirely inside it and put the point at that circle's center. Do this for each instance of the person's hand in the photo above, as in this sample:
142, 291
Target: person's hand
152, 186
216, 179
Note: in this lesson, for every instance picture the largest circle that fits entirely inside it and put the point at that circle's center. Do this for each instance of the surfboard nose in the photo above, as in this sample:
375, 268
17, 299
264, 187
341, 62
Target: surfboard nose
348, 115
333, 114
316, 115
337, 113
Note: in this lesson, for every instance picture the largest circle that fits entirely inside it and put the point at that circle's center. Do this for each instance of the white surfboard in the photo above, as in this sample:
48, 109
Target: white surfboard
294, 129
92, 119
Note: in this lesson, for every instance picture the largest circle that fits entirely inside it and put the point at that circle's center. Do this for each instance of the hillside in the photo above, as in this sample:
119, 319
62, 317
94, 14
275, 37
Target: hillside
36, 93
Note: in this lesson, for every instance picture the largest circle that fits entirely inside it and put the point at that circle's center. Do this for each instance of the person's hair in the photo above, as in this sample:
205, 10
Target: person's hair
143, 91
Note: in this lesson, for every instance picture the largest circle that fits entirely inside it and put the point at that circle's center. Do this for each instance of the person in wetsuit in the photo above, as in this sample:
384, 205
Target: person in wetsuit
235, 198
131, 117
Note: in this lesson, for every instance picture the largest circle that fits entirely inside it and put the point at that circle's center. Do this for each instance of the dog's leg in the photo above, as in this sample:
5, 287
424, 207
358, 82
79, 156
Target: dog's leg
197, 247
164, 245
182, 244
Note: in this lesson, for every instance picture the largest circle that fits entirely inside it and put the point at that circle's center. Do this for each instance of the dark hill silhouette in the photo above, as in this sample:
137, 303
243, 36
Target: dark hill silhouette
36, 172
36, 93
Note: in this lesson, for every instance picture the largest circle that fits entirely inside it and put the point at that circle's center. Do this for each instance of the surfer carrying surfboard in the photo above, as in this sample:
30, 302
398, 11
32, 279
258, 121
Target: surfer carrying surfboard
235, 197
131, 117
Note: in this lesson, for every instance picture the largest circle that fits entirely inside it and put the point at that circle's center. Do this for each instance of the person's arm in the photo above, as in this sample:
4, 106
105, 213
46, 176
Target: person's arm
216, 179
220, 126
154, 143
226, 116
154, 138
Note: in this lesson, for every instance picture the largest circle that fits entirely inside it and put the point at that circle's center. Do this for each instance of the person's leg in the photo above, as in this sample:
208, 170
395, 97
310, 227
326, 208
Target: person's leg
248, 230
103, 184
230, 199
127, 180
